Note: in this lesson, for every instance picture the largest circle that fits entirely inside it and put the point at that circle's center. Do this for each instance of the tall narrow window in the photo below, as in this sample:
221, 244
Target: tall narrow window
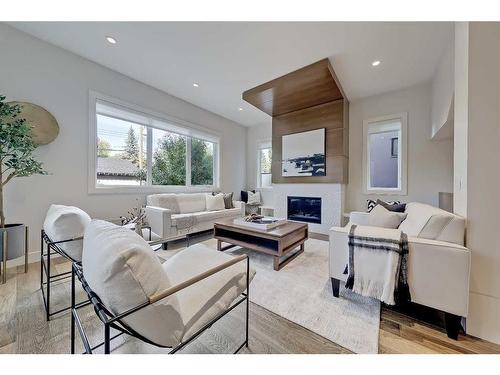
384, 161
265, 156
134, 149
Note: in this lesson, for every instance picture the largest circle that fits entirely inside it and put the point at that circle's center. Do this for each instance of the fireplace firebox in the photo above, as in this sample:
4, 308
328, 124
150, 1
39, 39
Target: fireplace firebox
306, 209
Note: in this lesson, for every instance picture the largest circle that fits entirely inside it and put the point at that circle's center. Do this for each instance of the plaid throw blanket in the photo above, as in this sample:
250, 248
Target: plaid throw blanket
378, 265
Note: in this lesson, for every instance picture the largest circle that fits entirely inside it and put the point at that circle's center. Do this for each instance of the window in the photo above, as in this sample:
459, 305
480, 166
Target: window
265, 155
384, 159
132, 149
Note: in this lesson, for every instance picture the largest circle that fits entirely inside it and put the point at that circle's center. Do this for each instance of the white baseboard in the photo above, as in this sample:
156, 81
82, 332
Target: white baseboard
32, 258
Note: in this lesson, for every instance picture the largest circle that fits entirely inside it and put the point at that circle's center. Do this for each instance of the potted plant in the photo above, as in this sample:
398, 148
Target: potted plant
16, 160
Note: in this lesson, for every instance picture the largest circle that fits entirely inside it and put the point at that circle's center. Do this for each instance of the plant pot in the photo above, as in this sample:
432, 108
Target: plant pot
16, 237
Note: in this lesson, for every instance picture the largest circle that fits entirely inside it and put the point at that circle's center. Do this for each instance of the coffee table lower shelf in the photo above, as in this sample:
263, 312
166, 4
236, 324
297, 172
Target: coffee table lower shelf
284, 245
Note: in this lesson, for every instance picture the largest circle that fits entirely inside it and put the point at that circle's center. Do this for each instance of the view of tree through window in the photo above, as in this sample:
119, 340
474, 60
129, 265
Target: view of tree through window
169, 158
265, 158
123, 154
202, 162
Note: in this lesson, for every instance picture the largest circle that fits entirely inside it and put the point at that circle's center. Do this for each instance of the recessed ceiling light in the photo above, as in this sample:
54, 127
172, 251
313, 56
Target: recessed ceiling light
240, 109
376, 63
111, 40
196, 85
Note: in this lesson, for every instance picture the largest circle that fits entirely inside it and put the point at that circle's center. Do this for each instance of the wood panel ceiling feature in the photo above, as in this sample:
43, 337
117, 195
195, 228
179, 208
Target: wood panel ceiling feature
309, 86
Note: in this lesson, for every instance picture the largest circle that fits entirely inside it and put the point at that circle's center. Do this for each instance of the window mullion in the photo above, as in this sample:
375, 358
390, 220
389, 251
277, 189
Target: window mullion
188, 161
149, 156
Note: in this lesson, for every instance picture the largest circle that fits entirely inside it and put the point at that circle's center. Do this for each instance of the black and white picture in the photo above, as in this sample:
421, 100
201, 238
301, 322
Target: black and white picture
303, 154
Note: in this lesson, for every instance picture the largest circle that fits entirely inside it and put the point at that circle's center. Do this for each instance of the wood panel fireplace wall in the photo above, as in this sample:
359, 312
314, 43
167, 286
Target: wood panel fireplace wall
307, 99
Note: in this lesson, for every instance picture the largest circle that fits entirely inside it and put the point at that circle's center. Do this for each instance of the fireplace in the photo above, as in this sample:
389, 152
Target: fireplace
306, 209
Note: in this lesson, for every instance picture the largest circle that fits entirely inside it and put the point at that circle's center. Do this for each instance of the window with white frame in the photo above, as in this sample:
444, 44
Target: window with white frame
264, 159
133, 149
384, 159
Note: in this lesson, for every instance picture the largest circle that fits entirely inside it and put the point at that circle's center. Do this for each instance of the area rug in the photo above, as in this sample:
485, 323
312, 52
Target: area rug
301, 292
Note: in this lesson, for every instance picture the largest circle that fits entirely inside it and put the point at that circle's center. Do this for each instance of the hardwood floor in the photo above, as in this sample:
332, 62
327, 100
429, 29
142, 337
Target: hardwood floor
23, 328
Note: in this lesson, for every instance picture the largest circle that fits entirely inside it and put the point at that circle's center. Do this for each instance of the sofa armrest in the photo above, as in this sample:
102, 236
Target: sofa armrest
359, 218
159, 219
439, 274
438, 271
240, 205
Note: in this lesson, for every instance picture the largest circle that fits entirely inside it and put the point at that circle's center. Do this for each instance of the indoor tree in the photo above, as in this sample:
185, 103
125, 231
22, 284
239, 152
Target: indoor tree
16, 148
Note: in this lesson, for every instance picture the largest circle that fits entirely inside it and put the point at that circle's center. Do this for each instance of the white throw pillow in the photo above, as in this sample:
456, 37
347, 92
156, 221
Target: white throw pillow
253, 198
215, 202
66, 222
382, 217
123, 270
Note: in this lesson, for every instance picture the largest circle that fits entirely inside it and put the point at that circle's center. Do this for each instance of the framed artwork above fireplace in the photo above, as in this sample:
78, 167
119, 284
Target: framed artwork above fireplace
304, 154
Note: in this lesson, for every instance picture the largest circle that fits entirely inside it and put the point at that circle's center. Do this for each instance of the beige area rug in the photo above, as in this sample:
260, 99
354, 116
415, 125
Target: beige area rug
301, 292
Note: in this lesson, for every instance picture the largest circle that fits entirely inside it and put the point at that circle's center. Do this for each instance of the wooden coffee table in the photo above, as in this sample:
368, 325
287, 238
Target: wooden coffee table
280, 242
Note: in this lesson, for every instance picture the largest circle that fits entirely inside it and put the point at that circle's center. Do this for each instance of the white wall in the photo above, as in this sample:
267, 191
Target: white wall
461, 118
430, 163
37, 72
443, 89
483, 177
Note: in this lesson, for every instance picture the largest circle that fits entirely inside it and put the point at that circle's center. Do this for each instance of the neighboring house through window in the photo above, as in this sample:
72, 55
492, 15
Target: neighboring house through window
384, 155
132, 148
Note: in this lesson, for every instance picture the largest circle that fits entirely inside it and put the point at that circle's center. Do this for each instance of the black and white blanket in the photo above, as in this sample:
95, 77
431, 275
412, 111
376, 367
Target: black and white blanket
378, 259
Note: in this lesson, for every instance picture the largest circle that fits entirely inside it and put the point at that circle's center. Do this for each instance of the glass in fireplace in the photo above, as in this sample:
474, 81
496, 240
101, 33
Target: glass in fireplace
306, 209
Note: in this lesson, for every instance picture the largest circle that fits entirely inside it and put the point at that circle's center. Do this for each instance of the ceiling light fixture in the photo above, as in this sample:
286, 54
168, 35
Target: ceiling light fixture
196, 85
111, 40
240, 109
376, 63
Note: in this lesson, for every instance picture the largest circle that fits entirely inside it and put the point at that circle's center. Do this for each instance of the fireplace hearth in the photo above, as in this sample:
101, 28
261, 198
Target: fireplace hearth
305, 209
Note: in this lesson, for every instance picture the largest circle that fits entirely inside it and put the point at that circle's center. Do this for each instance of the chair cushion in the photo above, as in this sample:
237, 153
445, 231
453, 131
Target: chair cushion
122, 269
203, 301
215, 202
66, 222
382, 217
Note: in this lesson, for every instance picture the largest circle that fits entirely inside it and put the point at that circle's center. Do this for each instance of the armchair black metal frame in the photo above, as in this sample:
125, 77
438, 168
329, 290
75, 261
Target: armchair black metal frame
116, 322
45, 269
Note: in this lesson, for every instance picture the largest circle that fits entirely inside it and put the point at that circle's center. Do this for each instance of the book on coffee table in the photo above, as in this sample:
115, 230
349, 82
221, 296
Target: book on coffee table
266, 223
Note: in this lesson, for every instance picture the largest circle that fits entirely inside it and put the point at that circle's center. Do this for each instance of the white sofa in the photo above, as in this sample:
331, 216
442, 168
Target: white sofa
438, 263
165, 212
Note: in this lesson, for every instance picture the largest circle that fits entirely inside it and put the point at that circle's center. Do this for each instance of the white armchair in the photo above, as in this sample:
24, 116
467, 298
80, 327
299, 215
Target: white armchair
438, 263
167, 305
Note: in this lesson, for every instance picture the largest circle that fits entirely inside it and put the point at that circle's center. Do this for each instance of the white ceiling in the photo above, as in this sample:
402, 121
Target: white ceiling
229, 58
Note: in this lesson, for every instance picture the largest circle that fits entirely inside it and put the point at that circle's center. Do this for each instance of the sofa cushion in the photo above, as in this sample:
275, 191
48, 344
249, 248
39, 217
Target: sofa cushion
208, 215
381, 217
168, 201
215, 202
122, 269
370, 204
244, 195
203, 301
191, 202
395, 207
253, 198
430, 222
66, 222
